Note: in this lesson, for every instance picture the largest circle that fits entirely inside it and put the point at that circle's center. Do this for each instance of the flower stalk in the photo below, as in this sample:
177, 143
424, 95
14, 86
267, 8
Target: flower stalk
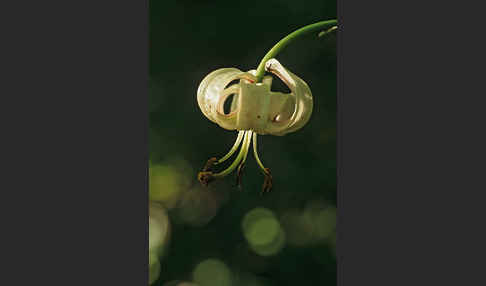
275, 50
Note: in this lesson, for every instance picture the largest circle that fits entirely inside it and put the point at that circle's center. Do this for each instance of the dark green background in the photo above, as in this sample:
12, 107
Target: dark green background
189, 39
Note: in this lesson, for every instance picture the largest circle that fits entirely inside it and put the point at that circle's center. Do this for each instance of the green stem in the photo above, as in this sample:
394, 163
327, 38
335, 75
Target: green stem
287, 40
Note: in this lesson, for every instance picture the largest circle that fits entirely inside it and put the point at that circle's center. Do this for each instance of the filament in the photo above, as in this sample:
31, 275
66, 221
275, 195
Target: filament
248, 135
255, 152
242, 154
233, 149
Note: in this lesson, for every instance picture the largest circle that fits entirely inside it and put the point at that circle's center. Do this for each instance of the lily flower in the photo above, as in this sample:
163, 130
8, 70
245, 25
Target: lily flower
255, 110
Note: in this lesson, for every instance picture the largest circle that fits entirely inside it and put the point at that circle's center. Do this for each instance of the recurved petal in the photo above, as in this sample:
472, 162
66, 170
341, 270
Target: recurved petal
210, 90
214, 91
301, 93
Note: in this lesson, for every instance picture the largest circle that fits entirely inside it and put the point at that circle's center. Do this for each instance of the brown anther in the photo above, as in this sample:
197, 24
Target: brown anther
267, 183
239, 174
205, 177
209, 164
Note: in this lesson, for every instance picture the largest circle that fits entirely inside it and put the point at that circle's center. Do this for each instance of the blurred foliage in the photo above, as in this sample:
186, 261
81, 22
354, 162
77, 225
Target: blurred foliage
222, 235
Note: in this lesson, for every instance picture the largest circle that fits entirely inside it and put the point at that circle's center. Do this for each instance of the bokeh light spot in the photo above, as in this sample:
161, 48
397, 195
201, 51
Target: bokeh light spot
154, 268
263, 232
168, 181
155, 234
197, 207
180, 283
325, 222
164, 185
315, 224
271, 248
159, 233
212, 272
159, 229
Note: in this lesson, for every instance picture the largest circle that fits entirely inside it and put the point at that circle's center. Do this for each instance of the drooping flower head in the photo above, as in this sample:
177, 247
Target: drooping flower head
254, 109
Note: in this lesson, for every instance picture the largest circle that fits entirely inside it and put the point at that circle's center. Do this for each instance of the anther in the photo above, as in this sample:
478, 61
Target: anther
267, 183
239, 174
205, 177
209, 164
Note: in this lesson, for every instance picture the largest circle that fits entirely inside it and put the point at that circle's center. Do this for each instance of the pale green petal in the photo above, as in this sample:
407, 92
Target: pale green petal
254, 106
300, 94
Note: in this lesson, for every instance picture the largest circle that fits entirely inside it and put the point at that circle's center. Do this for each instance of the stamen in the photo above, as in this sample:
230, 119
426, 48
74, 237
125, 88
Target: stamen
206, 175
209, 164
214, 161
248, 135
233, 149
236, 162
255, 152
267, 183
